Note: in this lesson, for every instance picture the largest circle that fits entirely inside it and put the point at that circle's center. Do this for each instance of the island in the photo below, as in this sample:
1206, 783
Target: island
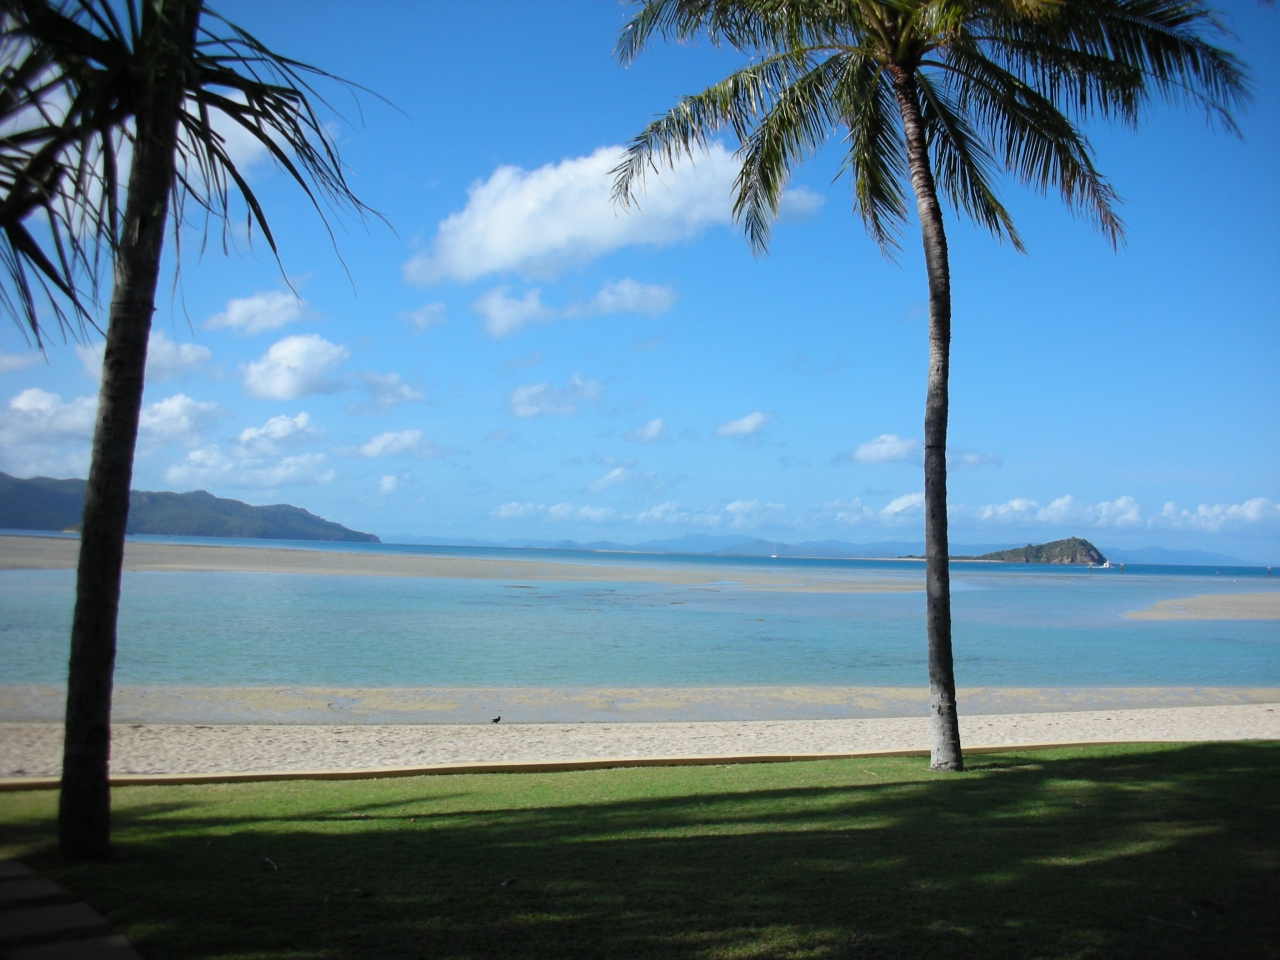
44, 503
1071, 550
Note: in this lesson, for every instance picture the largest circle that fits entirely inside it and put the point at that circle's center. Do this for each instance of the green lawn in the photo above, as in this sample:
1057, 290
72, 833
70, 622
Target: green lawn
1135, 851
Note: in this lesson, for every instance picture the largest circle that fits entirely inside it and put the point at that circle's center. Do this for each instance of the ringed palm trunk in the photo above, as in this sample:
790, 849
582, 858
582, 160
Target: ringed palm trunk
944, 729
84, 804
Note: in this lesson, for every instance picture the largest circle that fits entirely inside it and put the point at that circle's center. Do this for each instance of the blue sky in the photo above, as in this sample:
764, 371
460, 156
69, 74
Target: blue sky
513, 358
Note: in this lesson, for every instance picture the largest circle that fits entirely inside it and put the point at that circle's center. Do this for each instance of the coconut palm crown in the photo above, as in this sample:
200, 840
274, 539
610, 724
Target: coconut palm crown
947, 96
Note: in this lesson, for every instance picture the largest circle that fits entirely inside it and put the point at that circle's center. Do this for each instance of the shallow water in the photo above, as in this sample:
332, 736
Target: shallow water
1013, 626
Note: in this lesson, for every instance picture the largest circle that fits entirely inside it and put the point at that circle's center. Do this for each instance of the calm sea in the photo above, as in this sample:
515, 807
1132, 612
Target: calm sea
1014, 625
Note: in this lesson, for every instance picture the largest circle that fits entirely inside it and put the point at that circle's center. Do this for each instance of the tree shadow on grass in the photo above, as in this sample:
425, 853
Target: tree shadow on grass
1147, 852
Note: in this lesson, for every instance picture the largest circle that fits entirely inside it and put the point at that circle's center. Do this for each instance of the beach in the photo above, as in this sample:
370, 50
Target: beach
59, 553
1214, 606
34, 749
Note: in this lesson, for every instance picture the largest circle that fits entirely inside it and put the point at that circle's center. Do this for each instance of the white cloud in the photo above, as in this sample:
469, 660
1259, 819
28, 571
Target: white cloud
388, 483
176, 419
399, 443
899, 507
165, 359
535, 399
744, 426
279, 431
385, 391
37, 416
505, 315
10, 362
737, 514
294, 367
537, 222
847, 512
648, 432
886, 448
799, 204
957, 460
1121, 512
1019, 508
556, 511
1212, 518
613, 477
425, 317
210, 466
625, 296
267, 310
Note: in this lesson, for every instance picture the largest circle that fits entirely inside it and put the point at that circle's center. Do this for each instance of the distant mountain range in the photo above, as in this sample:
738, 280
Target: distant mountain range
42, 503
702, 544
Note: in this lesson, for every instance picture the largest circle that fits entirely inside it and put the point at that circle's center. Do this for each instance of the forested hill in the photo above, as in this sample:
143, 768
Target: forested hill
1073, 550
42, 503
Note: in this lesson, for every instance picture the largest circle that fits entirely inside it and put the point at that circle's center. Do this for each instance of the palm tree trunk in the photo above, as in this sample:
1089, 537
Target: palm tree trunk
84, 805
944, 728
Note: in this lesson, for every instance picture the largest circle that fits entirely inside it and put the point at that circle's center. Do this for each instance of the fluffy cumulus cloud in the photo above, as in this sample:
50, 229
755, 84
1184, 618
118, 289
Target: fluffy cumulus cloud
277, 433
388, 483
744, 426
176, 419
515, 510
886, 448
268, 310
399, 443
37, 416
294, 367
1121, 512
625, 296
212, 467
165, 359
536, 399
962, 460
1214, 517
537, 222
504, 315
614, 477
648, 432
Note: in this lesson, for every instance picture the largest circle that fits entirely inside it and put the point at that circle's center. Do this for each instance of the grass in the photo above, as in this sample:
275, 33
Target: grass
1134, 851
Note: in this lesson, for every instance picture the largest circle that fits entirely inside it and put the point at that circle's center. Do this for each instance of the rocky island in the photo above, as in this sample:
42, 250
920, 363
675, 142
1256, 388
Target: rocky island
1071, 550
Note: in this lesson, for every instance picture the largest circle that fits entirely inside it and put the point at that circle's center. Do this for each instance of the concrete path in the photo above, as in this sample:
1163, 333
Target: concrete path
38, 923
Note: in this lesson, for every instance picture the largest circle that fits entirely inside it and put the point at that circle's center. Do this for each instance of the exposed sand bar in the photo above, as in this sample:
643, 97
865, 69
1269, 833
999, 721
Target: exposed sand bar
1214, 606
33, 750
55, 553
454, 705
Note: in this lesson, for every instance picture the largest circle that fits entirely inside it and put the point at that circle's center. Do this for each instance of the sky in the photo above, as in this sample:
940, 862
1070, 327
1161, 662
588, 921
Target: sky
510, 356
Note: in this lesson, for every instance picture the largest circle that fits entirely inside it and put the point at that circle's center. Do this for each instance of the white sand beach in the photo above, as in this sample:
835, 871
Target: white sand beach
59, 553
34, 749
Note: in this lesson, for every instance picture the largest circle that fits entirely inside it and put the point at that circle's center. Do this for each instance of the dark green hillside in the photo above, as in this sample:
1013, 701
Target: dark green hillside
45, 504
1072, 550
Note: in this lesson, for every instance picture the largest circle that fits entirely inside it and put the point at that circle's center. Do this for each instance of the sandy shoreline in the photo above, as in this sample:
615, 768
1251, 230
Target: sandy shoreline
33, 749
1214, 606
461, 705
53, 553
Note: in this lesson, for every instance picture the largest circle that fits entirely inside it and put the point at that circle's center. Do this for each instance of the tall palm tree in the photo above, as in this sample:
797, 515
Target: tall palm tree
946, 94
82, 81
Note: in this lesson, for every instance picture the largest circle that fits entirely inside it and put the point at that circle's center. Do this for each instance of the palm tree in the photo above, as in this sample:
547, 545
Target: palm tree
82, 81
946, 94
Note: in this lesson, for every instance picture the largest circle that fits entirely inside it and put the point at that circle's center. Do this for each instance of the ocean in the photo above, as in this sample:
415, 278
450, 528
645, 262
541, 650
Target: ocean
1014, 626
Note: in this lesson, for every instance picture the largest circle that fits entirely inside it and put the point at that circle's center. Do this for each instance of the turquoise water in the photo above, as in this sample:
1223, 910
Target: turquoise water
1013, 626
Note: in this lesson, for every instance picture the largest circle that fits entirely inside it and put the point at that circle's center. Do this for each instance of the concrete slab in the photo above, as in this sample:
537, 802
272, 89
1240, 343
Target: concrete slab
12, 868
56, 918
29, 888
100, 948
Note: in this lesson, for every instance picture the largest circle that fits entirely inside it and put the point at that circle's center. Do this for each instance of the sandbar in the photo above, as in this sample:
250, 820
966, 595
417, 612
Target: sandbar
1214, 606
57, 553
34, 749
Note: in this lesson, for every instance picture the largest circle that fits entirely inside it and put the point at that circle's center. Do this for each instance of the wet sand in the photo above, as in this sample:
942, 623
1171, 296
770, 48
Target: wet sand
52, 553
33, 749
1214, 606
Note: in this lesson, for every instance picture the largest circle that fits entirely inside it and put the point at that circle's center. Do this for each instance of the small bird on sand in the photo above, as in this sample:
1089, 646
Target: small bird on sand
495, 719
